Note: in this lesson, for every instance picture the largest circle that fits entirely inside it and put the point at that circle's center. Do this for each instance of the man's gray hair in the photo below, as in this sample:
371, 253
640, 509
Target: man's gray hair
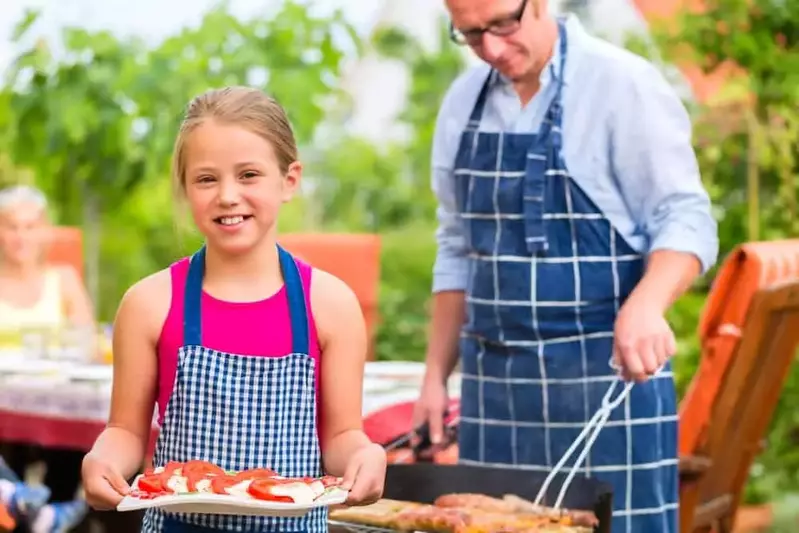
22, 194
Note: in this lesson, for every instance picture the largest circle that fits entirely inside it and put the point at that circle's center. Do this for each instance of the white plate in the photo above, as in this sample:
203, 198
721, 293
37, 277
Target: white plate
229, 504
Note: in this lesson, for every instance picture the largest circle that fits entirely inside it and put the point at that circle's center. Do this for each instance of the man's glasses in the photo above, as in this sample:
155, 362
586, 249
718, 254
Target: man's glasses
501, 27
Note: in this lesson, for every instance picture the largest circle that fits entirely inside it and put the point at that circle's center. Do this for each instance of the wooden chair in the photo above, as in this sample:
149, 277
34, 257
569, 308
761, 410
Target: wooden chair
66, 248
749, 332
353, 258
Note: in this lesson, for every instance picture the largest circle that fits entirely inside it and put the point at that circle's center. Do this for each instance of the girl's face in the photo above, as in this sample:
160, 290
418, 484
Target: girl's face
234, 185
23, 234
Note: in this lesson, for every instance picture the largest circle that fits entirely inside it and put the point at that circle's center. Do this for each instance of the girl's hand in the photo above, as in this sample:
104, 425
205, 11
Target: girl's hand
365, 476
103, 484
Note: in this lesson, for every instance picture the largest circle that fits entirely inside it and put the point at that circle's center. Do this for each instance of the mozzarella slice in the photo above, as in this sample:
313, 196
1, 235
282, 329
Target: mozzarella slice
301, 493
318, 488
240, 489
204, 485
178, 484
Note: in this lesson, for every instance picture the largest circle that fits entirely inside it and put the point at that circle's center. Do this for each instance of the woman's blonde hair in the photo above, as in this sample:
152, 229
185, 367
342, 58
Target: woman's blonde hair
23, 194
242, 106
29, 196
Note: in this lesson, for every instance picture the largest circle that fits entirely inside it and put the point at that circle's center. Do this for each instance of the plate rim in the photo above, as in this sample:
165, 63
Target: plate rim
336, 496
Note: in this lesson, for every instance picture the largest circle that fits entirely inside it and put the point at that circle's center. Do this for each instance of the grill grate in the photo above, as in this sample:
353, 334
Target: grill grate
346, 527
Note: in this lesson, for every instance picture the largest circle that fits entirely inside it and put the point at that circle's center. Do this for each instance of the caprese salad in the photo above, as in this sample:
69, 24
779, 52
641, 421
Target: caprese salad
202, 477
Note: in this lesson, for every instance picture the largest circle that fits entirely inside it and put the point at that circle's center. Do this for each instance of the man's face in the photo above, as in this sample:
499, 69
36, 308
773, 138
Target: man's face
521, 49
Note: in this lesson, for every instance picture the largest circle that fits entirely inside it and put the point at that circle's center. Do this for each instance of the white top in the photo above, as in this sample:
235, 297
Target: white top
47, 313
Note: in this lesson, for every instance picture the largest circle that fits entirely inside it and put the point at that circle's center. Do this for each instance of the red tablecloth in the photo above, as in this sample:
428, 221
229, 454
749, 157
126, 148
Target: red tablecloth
53, 412
52, 432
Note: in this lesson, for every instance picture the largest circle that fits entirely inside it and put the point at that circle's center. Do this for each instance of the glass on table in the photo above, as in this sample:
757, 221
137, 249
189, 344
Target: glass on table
78, 343
35, 343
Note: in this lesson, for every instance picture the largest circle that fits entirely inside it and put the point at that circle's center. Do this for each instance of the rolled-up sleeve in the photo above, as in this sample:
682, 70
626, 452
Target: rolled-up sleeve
656, 167
450, 271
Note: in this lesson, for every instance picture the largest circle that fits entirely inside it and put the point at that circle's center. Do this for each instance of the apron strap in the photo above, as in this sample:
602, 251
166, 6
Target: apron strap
192, 298
295, 293
480, 103
543, 158
555, 112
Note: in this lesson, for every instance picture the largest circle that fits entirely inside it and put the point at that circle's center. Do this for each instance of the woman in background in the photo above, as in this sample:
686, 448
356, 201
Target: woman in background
34, 295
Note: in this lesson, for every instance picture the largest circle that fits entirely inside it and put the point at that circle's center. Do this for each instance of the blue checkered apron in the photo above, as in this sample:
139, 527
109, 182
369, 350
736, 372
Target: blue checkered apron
548, 273
241, 412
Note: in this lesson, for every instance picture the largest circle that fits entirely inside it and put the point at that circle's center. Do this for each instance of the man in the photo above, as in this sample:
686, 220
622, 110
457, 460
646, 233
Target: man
571, 216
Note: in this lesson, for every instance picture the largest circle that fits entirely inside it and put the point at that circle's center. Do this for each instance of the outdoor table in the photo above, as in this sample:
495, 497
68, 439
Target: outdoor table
66, 405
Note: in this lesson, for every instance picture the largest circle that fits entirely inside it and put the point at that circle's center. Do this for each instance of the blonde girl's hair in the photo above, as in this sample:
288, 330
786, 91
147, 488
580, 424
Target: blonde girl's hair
242, 106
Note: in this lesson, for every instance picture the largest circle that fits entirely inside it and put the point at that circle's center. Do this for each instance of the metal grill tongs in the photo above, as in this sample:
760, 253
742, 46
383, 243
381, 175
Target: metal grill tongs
589, 434
338, 527
416, 450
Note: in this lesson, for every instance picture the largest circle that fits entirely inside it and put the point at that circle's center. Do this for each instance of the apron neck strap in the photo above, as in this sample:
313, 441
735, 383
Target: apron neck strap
295, 294
562, 51
298, 313
480, 103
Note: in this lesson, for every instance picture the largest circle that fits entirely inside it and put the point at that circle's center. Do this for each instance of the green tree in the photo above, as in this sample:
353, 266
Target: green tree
387, 189
758, 43
97, 125
747, 141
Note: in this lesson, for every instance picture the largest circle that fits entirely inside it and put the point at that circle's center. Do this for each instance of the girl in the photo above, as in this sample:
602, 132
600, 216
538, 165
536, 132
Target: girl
39, 296
208, 338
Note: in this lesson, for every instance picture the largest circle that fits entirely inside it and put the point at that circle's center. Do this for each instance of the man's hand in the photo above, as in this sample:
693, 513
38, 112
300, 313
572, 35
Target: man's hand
643, 340
430, 409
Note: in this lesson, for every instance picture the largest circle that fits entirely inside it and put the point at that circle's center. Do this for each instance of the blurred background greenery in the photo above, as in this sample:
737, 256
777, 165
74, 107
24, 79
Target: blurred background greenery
94, 128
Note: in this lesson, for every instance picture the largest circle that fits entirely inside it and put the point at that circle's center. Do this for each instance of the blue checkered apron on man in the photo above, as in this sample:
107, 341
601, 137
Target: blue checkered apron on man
548, 273
242, 412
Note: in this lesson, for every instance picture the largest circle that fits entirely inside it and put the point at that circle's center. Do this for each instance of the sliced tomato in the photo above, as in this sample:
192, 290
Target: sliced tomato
141, 495
170, 468
154, 483
196, 471
331, 481
261, 489
326, 481
255, 473
202, 468
220, 484
192, 478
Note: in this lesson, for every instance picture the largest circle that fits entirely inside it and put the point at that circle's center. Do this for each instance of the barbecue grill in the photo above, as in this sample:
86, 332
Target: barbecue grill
416, 479
424, 482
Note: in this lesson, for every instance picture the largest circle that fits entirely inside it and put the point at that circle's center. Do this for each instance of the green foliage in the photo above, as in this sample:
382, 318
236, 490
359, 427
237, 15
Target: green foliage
748, 148
406, 279
387, 189
362, 187
684, 319
762, 38
409, 244
97, 125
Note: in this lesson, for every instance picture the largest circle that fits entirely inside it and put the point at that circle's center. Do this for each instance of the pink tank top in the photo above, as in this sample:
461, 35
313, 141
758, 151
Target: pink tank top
233, 328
